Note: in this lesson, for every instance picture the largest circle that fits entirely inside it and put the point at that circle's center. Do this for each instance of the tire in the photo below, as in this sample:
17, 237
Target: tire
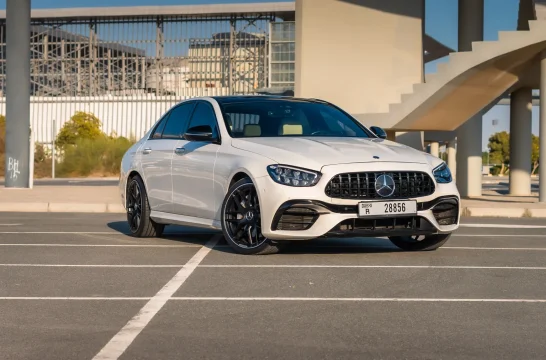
412, 243
242, 230
138, 211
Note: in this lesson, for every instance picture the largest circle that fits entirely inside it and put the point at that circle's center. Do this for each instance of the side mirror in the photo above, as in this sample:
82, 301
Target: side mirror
199, 133
379, 132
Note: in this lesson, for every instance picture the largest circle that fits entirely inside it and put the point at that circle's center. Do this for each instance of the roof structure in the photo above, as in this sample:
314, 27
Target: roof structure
280, 9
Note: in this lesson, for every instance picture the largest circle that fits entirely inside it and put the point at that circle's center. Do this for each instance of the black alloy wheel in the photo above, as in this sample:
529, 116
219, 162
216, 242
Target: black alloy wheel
138, 211
242, 222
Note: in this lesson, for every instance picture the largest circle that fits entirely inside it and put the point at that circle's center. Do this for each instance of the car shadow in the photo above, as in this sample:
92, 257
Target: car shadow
172, 232
319, 246
329, 246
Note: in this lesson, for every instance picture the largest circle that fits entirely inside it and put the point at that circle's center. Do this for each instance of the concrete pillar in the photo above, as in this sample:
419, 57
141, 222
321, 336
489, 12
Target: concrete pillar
375, 50
391, 135
521, 118
435, 149
17, 170
469, 135
542, 126
452, 158
414, 139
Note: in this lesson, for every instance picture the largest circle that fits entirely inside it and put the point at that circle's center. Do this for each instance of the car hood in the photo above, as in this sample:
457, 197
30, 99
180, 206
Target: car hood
316, 152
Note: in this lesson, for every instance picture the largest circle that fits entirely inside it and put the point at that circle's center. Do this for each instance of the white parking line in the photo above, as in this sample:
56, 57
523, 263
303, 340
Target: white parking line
121, 341
91, 266
195, 298
504, 226
109, 245
490, 248
380, 267
355, 299
75, 298
63, 232
498, 235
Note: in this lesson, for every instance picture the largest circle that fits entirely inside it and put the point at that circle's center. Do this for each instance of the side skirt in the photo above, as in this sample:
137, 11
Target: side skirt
175, 219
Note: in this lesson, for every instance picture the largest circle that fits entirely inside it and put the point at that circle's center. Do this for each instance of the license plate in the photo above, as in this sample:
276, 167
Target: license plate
387, 208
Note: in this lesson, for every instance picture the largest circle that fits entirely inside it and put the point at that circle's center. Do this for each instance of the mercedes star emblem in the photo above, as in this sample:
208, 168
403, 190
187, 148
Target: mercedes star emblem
384, 185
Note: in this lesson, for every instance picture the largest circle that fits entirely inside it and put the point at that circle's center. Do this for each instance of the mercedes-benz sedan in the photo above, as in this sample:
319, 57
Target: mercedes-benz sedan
267, 169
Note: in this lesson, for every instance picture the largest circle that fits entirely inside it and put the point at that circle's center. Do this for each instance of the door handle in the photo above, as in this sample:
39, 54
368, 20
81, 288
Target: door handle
180, 151
146, 151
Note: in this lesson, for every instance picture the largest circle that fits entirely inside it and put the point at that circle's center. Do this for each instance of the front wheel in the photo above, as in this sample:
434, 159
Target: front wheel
241, 221
138, 211
420, 242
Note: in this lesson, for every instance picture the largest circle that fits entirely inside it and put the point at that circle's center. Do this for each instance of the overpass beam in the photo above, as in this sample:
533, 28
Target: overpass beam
469, 135
542, 129
521, 118
17, 167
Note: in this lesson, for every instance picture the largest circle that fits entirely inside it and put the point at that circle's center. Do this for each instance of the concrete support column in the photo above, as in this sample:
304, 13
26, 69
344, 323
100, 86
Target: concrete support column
520, 141
17, 170
391, 135
542, 126
435, 149
452, 158
469, 135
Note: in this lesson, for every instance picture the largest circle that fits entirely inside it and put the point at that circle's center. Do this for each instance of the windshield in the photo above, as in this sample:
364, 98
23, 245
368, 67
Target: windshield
275, 118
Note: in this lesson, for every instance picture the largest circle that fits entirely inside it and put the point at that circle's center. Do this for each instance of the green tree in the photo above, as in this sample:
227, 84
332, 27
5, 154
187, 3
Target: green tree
485, 158
499, 150
81, 125
535, 154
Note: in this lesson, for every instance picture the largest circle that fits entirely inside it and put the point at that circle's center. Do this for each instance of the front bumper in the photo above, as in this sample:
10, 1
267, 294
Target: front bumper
291, 213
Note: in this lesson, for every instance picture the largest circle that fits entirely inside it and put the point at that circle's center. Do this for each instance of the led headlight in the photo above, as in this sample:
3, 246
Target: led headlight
292, 176
442, 174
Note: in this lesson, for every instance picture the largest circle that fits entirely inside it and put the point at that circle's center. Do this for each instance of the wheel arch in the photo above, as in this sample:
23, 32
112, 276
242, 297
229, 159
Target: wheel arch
239, 175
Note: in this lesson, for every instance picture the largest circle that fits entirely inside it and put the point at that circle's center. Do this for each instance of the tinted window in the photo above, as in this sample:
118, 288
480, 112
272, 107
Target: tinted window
178, 121
273, 118
204, 115
158, 131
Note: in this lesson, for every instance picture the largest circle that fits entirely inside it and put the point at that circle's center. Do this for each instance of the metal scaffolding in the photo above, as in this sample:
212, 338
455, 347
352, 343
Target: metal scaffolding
164, 54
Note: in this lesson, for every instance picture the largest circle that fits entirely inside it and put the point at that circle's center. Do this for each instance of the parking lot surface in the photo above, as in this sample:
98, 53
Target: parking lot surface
75, 286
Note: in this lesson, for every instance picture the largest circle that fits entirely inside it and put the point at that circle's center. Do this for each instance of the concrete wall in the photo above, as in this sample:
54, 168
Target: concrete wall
359, 54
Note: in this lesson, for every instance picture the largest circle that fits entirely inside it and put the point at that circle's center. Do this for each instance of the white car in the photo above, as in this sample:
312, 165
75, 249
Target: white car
267, 169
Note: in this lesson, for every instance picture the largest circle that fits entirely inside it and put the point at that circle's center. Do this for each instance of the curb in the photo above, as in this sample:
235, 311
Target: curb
112, 208
117, 208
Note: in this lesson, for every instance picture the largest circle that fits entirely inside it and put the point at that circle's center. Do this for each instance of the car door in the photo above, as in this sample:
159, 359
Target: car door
157, 154
193, 169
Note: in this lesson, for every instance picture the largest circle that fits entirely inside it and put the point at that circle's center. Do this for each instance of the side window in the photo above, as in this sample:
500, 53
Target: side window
204, 115
158, 131
178, 121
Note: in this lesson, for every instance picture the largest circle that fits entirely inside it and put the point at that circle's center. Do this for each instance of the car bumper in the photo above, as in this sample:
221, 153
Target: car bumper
321, 215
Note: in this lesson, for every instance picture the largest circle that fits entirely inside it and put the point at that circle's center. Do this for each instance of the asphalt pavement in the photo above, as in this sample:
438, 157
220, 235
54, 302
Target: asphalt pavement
75, 286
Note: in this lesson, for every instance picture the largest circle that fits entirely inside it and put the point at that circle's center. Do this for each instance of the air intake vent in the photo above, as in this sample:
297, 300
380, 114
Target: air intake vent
297, 219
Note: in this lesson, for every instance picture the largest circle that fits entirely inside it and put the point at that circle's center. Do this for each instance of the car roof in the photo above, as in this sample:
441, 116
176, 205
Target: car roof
255, 98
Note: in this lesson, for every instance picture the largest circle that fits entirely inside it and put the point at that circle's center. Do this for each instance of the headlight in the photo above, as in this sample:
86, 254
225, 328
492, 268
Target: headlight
442, 174
292, 176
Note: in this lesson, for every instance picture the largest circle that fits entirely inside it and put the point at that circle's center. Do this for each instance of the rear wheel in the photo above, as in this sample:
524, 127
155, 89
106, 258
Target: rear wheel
420, 242
138, 211
241, 221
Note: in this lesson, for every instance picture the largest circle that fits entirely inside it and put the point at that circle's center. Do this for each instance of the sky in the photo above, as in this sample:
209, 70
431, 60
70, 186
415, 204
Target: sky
441, 23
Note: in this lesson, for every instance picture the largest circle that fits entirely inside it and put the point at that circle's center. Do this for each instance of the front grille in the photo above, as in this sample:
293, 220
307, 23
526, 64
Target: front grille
362, 185
297, 219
